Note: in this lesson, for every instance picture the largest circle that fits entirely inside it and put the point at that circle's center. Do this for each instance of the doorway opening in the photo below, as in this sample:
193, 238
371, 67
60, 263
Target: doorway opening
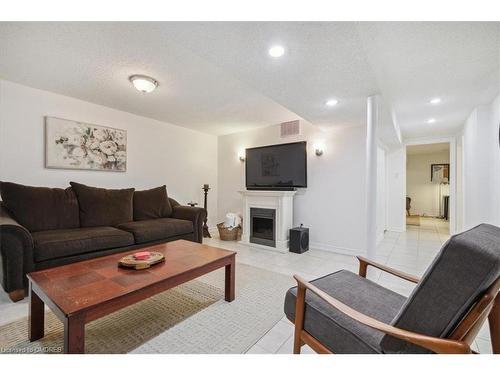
428, 187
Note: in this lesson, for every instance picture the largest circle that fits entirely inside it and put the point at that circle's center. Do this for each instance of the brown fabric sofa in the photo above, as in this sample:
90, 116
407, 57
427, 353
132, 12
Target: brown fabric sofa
46, 227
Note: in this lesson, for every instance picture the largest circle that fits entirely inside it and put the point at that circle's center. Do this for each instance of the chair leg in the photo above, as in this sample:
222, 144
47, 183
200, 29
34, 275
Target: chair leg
494, 322
299, 318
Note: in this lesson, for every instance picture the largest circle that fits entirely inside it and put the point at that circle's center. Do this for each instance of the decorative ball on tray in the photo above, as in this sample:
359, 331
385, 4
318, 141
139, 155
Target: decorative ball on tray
141, 260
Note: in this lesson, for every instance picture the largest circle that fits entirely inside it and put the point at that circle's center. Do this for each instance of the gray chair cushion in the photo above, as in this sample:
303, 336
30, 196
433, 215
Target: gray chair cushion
157, 229
52, 244
336, 331
464, 268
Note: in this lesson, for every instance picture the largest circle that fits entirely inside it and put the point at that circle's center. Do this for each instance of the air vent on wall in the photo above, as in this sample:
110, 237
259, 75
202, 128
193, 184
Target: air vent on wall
290, 128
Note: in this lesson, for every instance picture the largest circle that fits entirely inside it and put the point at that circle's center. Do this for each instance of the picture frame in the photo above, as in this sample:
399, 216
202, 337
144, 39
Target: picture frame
440, 172
71, 144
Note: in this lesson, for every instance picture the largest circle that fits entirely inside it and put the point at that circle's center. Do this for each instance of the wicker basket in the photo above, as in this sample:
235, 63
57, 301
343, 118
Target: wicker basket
227, 234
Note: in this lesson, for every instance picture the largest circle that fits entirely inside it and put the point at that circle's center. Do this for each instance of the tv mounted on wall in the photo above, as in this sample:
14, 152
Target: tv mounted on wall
277, 167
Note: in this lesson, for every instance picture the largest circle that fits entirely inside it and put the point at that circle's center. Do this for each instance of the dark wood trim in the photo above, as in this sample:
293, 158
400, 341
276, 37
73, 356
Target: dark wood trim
494, 323
41, 294
299, 318
17, 295
314, 344
118, 303
364, 263
74, 334
230, 279
36, 316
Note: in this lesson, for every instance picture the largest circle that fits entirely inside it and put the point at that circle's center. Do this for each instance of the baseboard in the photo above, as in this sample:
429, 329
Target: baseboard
277, 249
396, 229
336, 249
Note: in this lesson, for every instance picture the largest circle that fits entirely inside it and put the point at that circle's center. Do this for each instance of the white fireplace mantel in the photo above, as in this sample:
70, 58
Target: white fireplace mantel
282, 202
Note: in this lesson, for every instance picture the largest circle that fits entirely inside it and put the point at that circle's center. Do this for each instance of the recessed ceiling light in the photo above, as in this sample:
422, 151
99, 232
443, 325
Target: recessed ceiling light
276, 51
431, 121
435, 100
331, 102
143, 83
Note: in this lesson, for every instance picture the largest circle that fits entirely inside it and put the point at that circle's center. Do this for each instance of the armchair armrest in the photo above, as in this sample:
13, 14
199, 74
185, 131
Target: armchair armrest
16, 252
364, 263
195, 214
437, 345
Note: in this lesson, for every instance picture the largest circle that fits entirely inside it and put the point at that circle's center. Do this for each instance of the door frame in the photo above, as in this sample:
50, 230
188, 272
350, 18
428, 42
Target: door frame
453, 175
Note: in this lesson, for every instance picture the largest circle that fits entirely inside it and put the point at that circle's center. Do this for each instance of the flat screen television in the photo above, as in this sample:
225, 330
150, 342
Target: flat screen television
277, 167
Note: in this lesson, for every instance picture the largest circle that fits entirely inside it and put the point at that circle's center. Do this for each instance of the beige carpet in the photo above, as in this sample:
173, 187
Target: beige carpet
413, 220
191, 318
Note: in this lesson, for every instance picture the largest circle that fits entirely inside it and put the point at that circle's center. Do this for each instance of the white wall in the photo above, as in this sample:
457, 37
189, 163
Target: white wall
424, 194
396, 189
381, 193
158, 153
333, 204
460, 184
481, 166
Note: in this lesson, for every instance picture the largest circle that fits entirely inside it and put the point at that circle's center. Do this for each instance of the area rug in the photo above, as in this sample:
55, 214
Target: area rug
191, 318
413, 220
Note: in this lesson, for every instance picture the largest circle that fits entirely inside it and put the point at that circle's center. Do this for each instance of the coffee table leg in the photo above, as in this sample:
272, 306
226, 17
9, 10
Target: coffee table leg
230, 280
74, 335
36, 316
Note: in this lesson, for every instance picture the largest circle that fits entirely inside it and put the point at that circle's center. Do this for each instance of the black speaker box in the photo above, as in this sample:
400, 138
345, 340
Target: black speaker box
299, 240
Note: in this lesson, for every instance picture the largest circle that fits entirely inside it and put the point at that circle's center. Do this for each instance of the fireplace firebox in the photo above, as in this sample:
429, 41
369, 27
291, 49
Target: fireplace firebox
263, 226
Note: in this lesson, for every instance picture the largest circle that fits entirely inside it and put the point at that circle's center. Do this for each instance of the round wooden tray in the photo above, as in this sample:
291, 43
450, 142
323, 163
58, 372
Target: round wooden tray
130, 262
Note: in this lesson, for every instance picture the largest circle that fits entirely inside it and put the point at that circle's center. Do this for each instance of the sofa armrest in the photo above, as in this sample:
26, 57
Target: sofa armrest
16, 252
195, 214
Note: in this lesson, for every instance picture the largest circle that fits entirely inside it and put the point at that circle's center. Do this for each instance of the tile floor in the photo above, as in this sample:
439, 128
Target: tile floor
411, 251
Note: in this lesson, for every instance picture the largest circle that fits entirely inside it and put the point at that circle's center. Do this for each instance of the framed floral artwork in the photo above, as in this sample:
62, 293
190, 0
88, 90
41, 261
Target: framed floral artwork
78, 145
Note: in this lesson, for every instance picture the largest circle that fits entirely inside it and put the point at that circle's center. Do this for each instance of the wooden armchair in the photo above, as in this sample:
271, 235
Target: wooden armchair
346, 313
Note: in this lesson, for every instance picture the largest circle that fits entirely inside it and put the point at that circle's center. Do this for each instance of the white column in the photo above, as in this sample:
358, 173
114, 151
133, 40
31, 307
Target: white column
371, 174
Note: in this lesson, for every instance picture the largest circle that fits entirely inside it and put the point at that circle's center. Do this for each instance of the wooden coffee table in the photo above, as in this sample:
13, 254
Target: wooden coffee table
81, 292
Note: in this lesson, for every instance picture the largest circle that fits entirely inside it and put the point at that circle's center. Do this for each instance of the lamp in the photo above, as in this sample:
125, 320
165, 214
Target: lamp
319, 148
241, 155
142, 83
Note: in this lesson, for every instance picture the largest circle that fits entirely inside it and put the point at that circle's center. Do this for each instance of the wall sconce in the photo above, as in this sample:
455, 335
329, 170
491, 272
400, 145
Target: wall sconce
241, 155
318, 149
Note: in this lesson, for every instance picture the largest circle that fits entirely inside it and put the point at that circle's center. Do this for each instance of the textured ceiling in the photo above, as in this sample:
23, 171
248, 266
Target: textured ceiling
218, 78
417, 61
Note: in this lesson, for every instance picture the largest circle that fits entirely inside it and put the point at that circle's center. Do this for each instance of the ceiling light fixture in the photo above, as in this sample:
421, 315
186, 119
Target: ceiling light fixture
142, 83
276, 51
431, 121
331, 102
435, 100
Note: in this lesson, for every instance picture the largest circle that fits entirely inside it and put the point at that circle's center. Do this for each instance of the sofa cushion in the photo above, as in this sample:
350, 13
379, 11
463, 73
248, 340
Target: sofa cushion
60, 243
337, 331
465, 267
152, 204
157, 229
41, 208
103, 207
